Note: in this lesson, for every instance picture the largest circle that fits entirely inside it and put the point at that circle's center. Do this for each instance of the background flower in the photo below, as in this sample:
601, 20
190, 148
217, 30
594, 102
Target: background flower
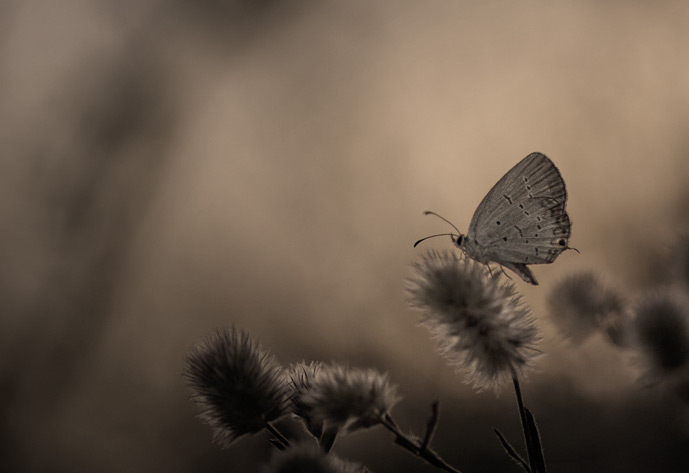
581, 304
661, 335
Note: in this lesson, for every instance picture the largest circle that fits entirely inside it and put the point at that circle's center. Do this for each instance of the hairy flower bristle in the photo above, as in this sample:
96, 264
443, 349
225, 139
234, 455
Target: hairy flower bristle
481, 325
346, 399
238, 386
300, 378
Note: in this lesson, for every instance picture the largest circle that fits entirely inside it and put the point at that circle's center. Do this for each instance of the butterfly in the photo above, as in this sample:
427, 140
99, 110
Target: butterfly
521, 221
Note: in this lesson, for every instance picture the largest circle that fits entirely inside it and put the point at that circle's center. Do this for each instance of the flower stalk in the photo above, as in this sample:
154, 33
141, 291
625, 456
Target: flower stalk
418, 448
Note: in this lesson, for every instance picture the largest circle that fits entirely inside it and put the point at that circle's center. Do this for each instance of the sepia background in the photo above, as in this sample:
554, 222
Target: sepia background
173, 166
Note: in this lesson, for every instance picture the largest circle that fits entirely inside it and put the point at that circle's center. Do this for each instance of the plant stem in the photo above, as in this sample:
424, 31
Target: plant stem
531, 436
522, 416
416, 447
278, 435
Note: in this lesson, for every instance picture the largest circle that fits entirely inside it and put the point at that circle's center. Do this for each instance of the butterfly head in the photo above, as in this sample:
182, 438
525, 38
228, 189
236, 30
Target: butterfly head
459, 241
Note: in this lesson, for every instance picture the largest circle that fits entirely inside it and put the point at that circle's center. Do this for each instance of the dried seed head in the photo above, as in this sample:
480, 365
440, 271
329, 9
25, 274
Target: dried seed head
347, 399
300, 378
238, 386
481, 324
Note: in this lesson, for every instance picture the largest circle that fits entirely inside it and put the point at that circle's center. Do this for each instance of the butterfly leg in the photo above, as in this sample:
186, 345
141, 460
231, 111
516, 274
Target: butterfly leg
503, 272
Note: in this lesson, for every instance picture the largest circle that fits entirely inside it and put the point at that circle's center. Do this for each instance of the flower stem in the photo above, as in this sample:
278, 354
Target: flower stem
281, 439
531, 438
417, 448
522, 416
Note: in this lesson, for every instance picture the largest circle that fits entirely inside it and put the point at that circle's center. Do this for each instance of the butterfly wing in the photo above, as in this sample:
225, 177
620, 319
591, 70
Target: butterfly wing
522, 219
523, 271
534, 232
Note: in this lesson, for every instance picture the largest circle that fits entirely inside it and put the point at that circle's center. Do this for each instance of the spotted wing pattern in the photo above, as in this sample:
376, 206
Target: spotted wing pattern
534, 232
522, 220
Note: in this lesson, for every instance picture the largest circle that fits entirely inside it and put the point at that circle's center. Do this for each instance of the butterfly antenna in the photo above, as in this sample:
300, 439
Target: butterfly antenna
433, 236
428, 212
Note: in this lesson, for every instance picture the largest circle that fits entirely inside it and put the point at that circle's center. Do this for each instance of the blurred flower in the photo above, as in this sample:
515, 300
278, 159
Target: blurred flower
678, 256
341, 398
239, 386
310, 459
481, 324
661, 329
581, 304
300, 378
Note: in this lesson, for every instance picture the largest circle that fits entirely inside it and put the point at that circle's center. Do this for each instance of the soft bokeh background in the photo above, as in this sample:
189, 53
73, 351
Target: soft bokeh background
172, 166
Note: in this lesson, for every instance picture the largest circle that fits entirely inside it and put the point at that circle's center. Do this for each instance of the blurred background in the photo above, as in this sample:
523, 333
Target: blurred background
171, 166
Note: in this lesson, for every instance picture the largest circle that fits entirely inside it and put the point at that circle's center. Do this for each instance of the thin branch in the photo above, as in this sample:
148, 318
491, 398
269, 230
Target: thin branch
278, 437
414, 446
432, 424
276, 443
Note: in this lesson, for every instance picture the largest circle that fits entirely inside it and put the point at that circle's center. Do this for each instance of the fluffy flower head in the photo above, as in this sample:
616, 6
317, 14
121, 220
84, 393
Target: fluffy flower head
238, 386
481, 325
661, 329
300, 378
581, 304
347, 399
